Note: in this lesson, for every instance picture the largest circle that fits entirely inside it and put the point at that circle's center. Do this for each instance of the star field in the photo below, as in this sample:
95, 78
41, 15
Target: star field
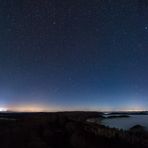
79, 55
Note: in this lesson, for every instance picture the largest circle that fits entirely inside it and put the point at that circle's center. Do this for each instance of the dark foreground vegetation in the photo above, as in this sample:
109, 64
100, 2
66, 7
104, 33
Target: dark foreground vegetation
65, 130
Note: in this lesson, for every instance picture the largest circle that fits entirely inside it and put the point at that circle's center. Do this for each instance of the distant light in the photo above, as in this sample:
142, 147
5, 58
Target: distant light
146, 27
106, 113
3, 109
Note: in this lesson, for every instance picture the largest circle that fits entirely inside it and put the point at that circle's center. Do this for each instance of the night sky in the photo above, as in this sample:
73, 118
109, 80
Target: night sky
73, 55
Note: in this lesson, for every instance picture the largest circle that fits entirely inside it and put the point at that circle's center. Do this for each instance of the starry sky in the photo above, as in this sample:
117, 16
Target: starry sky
73, 55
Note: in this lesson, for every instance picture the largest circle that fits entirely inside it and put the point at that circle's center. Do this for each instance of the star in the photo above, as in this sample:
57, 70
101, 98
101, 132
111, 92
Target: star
69, 78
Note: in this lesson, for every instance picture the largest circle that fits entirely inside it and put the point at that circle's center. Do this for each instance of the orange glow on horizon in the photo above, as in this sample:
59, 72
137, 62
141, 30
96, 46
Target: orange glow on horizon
30, 108
53, 108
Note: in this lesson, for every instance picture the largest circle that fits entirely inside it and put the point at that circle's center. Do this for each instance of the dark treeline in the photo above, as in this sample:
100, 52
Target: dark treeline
66, 129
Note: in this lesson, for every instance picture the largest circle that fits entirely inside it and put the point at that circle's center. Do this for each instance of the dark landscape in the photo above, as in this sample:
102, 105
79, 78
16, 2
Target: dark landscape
67, 130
